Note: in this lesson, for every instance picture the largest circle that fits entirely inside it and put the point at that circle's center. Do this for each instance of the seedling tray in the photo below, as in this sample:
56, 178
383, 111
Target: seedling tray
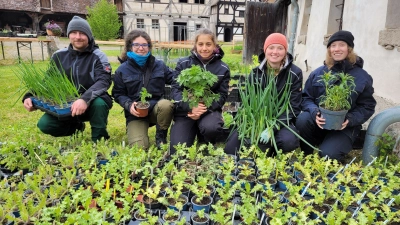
60, 117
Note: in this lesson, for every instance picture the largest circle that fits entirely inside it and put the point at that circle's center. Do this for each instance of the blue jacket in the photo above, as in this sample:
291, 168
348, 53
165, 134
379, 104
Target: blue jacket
215, 66
296, 79
362, 100
129, 79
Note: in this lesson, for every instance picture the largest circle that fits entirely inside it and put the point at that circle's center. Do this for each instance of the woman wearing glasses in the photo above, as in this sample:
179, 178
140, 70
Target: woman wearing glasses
141, 69
202, 121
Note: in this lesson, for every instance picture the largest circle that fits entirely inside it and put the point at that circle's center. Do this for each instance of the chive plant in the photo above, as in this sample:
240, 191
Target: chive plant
261, 107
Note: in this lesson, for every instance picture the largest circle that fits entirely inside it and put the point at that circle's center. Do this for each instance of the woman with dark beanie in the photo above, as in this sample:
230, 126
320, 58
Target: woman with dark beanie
141, 69
340, 57
276, 63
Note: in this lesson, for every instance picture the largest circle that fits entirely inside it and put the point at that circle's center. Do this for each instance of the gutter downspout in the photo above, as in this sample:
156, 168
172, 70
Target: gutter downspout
294, 25
375, 130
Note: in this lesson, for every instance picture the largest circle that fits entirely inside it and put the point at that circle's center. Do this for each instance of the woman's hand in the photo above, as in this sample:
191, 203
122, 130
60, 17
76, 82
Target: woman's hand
28, 105
319, 120
344, 124
133, 110
197, 111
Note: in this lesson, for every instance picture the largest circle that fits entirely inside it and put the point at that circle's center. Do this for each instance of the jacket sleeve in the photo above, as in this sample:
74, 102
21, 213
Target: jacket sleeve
365, 106
176, 91
119, 92
169, 75
295, 96
222, 91
102, 79
309, 97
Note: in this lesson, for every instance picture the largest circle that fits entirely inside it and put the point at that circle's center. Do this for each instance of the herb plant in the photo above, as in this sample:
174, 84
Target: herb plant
197, 84
338, 88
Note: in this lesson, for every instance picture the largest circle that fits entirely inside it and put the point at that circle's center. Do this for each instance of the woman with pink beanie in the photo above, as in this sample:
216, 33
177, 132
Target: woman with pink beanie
276, 63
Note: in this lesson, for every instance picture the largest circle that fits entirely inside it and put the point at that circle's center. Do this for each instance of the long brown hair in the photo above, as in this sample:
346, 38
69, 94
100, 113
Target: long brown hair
351, 57
132, 36
201, 32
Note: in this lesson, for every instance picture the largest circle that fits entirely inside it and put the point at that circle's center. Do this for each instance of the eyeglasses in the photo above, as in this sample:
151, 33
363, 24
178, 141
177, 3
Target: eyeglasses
137, 45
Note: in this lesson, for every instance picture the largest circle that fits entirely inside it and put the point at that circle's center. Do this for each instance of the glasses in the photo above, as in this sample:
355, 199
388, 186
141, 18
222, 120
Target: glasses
137, 45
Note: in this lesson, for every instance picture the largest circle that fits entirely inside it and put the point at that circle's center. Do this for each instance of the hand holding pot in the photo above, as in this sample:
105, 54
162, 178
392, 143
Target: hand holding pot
78, 107
197, 111
319, 120
344, 124
133, 110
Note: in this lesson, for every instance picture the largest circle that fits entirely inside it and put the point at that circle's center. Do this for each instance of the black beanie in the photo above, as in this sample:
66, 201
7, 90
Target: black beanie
79, 24
342, 35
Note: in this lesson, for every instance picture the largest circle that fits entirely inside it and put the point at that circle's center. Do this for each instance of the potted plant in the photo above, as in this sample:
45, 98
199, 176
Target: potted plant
336, 101
197, 83
200, 218
142, 107
53, 29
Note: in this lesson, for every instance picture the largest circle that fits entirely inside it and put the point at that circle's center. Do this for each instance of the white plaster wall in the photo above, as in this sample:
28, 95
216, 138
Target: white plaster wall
365, 19
314, 50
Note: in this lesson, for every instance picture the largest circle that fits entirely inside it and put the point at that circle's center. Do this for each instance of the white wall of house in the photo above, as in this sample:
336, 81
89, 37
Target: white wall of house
364, 19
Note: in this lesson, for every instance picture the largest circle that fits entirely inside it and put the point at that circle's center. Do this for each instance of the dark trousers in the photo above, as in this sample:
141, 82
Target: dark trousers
96, 114
284, 138
184, 129
332, 143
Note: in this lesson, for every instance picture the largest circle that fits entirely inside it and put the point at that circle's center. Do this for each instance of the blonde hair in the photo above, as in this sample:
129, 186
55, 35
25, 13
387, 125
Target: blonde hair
351, 57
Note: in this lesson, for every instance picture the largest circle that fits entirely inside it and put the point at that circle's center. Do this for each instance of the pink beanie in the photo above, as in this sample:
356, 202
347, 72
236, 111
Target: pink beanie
276, 38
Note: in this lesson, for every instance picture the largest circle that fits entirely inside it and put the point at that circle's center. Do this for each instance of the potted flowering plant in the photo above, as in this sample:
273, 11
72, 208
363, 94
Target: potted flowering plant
52, 28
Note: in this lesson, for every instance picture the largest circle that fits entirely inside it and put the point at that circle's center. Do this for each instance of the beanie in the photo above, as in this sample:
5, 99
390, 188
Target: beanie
79, 24
342, 35
276, 38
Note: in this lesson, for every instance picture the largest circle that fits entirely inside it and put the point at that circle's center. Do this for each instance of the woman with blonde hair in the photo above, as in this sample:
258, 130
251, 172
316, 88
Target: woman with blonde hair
340, 57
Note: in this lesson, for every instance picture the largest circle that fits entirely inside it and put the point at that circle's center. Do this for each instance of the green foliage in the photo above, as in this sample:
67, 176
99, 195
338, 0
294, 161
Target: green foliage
144, 94
228, 119
104, 20
196, 84
337, 96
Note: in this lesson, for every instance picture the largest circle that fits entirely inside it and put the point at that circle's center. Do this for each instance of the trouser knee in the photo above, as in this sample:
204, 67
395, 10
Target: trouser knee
304, 122
164, 112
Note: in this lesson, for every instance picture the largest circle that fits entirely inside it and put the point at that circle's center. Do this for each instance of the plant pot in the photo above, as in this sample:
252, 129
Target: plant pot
36, 101
200, 206
63, 110
138, 217
185, 204
142, 109
171, 221
199, 221
283, 186
333, 119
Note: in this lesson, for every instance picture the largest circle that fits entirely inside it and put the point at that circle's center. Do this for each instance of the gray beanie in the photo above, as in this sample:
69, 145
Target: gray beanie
79, 24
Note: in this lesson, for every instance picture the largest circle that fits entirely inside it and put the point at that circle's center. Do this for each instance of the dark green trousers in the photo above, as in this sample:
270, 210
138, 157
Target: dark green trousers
96, 114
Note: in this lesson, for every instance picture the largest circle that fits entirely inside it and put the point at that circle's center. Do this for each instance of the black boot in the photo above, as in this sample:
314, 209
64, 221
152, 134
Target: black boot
161, 137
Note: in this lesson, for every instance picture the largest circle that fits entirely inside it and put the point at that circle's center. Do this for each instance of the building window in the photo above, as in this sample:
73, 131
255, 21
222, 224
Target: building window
183, 1
241, 13
199, 1
226, 11
198, 26
140, 23
155, 24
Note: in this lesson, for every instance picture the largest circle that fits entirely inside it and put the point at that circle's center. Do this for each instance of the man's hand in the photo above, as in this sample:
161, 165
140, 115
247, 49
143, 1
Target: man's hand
78, 107
28, 105
319, 120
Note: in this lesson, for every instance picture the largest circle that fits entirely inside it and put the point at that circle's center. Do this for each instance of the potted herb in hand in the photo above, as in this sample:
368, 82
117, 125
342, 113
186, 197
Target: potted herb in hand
142, 107
335, 103
197, 84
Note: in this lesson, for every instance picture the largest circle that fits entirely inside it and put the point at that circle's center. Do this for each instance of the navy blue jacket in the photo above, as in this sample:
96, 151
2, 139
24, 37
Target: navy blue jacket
259, 74
362, 100
129, 79
215, 66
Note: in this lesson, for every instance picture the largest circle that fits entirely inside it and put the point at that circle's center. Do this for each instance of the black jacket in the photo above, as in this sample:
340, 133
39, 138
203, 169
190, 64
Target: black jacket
215, 66
259, 74
362, 100
89, 70
130, 77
